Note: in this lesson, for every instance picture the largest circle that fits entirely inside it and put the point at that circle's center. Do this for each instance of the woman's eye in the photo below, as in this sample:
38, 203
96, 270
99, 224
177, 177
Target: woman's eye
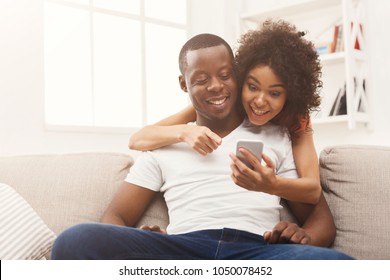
252, 87
275, 93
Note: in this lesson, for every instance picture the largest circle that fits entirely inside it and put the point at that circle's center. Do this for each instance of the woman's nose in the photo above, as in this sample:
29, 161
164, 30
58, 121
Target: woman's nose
260, 99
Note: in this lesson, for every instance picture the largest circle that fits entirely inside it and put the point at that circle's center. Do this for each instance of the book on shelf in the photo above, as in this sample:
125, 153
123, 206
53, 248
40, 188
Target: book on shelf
335, 43
338, 40
335, 37
362, 104
357, 45
339, 106
323, 47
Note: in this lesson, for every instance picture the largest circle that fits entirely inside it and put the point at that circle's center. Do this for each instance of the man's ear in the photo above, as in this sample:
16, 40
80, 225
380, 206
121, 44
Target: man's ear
182, 83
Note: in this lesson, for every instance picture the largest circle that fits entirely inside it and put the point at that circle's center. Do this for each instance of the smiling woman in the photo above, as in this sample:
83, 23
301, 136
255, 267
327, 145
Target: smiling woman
105, 61
264, 93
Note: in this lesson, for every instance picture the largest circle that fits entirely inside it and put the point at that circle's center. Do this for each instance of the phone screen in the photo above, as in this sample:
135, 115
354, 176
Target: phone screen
253, 146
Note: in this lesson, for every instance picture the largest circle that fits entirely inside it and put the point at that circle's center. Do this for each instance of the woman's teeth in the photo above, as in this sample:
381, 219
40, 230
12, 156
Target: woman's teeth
259, 112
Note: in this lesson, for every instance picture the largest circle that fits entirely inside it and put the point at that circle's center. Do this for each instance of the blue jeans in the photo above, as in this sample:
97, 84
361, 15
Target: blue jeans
110, 242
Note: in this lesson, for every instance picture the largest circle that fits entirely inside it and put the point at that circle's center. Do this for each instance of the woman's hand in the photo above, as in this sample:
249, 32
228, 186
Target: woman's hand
260, 178
200, 138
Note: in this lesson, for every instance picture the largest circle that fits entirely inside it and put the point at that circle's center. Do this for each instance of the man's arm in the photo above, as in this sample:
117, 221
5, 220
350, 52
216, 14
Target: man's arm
128, 205
318, 226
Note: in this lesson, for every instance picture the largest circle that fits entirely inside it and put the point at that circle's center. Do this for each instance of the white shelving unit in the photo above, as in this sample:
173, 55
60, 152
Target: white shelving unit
348, 68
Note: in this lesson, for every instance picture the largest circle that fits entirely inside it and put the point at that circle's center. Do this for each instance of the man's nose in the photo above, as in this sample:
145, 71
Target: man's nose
215, 85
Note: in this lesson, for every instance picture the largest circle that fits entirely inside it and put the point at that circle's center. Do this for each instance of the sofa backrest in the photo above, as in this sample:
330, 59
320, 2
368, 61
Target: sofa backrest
356, 183
66, 189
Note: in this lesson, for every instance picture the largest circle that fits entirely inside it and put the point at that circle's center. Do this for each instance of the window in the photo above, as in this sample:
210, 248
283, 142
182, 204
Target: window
112, 63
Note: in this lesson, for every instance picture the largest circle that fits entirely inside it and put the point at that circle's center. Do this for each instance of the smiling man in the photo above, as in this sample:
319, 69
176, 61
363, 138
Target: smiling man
208, 77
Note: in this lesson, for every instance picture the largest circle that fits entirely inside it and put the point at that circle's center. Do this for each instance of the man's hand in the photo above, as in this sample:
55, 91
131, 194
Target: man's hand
286, 232
154, 228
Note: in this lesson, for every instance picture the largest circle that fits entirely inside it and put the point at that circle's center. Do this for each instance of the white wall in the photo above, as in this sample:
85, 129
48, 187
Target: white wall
219, 17
22, 129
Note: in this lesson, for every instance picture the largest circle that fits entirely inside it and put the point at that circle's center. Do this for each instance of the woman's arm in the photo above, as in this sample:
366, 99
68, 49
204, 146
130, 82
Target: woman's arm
306, 188
318, 226
162, 133
306, 163
174, 129
317, 221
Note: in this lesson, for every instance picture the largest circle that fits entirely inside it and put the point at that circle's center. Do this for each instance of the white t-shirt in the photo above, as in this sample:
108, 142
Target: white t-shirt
199, 191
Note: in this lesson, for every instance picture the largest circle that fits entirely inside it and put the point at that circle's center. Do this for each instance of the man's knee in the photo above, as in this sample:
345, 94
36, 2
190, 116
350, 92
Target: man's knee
73, 241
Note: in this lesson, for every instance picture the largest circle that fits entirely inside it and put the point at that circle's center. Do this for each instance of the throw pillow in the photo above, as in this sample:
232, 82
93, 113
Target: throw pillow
23, 234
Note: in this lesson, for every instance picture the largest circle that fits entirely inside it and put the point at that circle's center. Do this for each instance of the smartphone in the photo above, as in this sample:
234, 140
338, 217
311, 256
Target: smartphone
253, 146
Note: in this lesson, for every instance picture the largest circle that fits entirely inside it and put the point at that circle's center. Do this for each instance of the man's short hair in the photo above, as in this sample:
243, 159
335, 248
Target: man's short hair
201, 41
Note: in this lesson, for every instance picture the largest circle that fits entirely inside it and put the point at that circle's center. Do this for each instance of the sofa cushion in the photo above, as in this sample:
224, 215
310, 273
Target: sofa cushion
66, 189
23, 234
356, 181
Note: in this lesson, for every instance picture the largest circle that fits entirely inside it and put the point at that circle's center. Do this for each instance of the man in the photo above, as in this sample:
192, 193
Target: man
205, 206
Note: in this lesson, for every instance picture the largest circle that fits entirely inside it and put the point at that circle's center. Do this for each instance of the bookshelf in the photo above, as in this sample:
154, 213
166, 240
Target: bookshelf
347, 67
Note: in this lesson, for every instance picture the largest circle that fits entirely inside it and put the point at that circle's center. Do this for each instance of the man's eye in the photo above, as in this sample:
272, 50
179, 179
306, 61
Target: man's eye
201, 82
225, 76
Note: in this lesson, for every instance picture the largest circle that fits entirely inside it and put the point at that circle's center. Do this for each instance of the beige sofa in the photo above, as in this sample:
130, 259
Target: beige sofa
68, 189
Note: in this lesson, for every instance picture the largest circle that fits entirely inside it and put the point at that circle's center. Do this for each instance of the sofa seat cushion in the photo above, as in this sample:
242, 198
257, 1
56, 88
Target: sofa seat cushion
356, 181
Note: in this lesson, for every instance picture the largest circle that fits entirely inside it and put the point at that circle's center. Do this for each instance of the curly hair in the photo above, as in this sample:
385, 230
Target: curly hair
279, 45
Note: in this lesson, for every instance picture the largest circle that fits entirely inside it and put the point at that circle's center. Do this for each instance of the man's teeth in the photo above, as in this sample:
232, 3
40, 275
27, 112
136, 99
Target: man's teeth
217, 102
